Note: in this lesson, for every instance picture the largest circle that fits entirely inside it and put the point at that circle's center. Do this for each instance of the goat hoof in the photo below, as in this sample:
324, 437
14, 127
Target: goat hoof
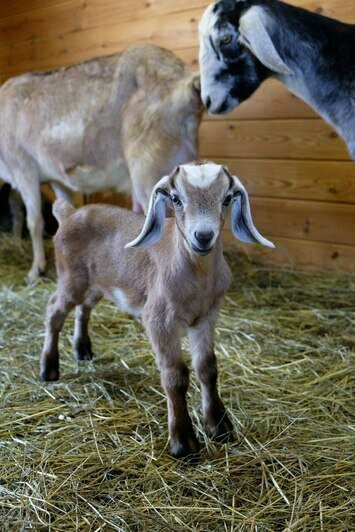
83, 351
50, 373
187, 450
223, 433
34, 274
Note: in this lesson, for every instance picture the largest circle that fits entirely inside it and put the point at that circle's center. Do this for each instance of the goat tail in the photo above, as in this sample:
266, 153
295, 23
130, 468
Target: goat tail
62, 209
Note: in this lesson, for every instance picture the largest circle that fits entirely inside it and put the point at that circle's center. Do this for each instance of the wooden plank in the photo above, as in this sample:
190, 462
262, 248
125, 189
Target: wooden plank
299, 254
277, 139
305, 220
177, 29
15, 15
340, 9
43, 24
307, 180
15, 8
104, 12
76, 15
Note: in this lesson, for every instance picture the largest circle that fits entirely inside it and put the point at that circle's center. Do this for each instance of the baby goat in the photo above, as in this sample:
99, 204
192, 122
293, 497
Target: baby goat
175, 285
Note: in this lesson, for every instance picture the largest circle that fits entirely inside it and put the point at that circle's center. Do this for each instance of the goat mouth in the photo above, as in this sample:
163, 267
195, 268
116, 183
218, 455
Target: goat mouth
200, 251
224, 108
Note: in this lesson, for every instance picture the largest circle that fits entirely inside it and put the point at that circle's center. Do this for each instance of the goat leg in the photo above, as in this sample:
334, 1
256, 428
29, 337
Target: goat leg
17, 213
57, 311
205, 365
82, 342
175, 381
31, 196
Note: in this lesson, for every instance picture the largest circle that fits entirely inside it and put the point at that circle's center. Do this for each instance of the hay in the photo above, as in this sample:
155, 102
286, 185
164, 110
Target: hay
89, 452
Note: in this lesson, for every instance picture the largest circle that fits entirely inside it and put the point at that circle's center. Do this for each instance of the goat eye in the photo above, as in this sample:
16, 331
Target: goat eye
226, 39
176, 200
227, 200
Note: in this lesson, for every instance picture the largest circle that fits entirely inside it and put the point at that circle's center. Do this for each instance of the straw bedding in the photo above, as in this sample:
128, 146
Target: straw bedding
89, 452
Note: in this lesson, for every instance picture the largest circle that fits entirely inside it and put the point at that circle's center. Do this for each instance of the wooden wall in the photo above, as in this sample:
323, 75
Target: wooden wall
297, 170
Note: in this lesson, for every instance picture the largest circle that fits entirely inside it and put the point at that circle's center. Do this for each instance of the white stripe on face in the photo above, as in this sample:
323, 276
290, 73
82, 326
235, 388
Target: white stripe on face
201, 176
213, 93
207, 21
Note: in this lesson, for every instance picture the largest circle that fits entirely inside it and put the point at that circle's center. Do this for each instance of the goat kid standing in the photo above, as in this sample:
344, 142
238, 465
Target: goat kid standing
175, 280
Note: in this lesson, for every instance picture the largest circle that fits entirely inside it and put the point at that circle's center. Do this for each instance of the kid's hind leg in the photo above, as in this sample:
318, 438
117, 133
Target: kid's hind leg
58, 308
82, 342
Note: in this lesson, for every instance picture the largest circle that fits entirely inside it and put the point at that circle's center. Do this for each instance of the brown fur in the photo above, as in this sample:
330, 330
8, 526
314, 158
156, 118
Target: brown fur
173, 287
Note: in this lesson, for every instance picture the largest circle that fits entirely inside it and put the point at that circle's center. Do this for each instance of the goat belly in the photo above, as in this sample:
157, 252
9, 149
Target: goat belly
124, 304
90, 179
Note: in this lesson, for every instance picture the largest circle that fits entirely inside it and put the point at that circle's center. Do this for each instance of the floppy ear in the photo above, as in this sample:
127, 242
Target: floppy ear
196, 82
241, 221
154, 222
255, 36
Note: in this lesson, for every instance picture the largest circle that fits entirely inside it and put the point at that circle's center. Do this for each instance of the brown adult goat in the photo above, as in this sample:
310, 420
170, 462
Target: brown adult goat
117, 122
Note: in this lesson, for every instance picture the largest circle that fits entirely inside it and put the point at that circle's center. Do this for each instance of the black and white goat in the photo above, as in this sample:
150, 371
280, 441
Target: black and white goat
244, 42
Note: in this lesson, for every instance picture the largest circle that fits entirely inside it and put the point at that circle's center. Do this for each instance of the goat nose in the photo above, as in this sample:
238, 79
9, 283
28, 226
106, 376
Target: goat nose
204, 238
208, 102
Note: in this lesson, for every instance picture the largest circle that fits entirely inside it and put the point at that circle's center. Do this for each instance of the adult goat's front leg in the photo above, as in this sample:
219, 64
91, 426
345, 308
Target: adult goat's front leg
205, 364
175, 380
31, 196
17, 213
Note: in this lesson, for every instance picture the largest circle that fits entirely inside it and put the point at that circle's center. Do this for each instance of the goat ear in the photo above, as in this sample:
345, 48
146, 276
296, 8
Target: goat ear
196, 83
154, 222
255, 36
241, 221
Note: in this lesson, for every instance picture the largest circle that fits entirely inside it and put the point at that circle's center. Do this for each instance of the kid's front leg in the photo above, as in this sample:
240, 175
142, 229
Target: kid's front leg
205, 364
175, 380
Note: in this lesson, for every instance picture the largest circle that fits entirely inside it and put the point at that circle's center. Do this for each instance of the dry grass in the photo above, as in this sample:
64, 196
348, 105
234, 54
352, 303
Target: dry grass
89, 452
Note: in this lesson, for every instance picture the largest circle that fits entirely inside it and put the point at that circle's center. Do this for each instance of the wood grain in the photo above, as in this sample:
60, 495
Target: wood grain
305, 220
74, 46
329, 181
19, 8
278, 139
300, 254
15, 15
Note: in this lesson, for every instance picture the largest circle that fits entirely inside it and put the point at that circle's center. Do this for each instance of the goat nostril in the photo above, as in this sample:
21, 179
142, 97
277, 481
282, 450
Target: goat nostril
208, 102
223, 107
204, 238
